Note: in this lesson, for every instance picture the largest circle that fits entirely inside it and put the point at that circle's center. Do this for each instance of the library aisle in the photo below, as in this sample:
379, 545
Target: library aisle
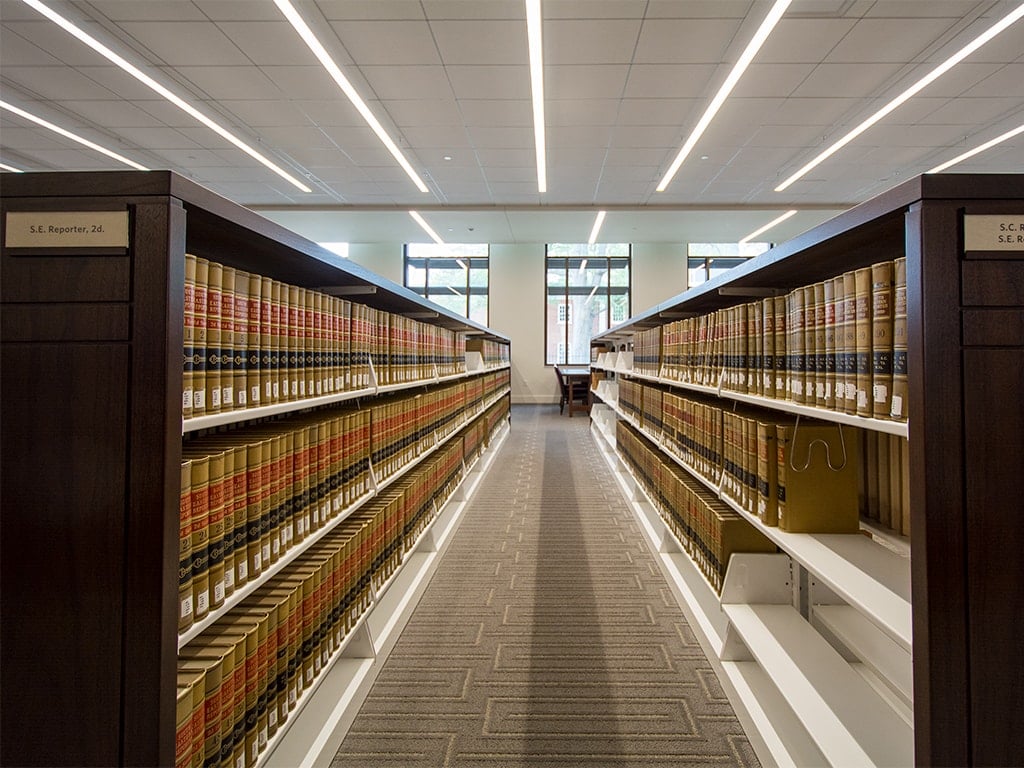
547, 636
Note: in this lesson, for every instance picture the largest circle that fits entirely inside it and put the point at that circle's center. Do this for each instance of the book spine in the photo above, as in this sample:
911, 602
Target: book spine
767, 472
833, 331
185, 588
881, 339
755, 346
200, 537
781, 353
795, 346
308, 343
253, 375
898, 409
783, 436
240, 363
188, 336
216, 525
202, 287
820, 352
267, 371
227, 347
214, 318
850, 342
295, 342
863, 341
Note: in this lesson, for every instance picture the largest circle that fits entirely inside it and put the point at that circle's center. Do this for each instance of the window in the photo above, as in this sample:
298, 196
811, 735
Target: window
587, 292
454, 276
707, 260
339, 248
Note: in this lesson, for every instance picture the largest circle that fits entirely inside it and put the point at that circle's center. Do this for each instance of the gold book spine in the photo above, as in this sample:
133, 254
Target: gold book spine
202, 287
228, 517
188, 336
278, 340
253, 502
295, 342
781, 389
267, 372
239, 513
898, 409
833, 342
240, 363
216, 518
850, 342
767, 472
201, 537
185, 587
820, 347
308, 343
755, 347
214, 310
881, 338
863, 341
227, 341
795, 349
810, 350
255, 335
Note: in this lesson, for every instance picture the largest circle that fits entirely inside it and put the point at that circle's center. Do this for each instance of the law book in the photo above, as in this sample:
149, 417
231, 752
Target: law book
882, 306
767, 310
750, 464
191, 737
188, 336
200, 505
795, 345
307, 387
810, 351
200, 401
781, 353
817, 472
217, 675
898, 405
729, 534
839, 345
216, 523
268, 372
820, 351
240, 362
253, 373
829, 293
227, 339
214, 318
755, 349
849, 342
767, 510
295, 342
185, 588
862, 325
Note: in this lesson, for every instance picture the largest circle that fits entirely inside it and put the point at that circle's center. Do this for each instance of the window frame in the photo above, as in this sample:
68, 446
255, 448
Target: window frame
473, 263
608, 293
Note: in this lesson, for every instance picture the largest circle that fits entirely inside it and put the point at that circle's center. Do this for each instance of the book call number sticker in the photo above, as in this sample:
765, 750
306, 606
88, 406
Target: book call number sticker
66, 229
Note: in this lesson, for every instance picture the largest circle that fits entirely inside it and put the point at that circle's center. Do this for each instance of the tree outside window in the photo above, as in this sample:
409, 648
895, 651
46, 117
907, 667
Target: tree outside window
587, 291
455, 276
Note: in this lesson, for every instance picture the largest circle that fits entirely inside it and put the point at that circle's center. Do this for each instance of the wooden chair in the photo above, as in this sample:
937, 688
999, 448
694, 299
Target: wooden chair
572, 391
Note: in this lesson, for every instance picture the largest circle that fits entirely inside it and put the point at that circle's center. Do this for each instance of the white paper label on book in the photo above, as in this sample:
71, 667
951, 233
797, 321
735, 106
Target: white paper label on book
897, 406
1000, 232
66, 229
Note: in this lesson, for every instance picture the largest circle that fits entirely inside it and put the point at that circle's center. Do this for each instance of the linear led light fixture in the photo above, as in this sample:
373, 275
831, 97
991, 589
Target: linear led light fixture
426, 227
981, 148
597, 227
723, 93
768, 226
533, 34
69, 135
940, 70
335, 72
10, 168
145, 79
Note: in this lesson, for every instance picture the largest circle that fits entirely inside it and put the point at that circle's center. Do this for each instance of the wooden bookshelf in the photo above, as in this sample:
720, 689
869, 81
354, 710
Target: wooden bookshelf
91, 446
853, 608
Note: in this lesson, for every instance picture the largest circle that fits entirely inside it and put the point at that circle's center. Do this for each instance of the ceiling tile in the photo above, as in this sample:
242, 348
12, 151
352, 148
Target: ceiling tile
474, 9
492, 112
133, 10
589, 41
407, 82
671, 81
236, 10
594, 9
580, 112
802, 40
853, 80
698, 9
16, 51
300, 83
909, 9
654, 136
335, 111
490, 82
56, 83
497, 136
481, 42
507, 157
441, 136
113, 113
1007, 82
685, 41
889, 40
189, 43
771, 80
405, 112
498, 174
272, 43
342, 10
583, 82
264, 113
578, 136
973, 111
388, 42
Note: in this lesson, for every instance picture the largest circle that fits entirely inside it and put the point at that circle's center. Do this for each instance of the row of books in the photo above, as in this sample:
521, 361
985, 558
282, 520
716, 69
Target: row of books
804, 476
708, 530
494, 353
252, 341
241, 678
839, 344
249, 495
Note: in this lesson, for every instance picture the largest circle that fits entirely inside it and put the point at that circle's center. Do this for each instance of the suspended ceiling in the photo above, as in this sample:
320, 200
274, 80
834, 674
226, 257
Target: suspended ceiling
625, 80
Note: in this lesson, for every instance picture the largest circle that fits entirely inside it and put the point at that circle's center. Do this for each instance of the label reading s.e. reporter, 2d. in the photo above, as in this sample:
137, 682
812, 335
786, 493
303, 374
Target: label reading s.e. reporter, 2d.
999, 232
66, 229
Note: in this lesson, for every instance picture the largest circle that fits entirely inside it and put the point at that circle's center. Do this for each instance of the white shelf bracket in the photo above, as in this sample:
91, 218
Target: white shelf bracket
361, 645
757, 578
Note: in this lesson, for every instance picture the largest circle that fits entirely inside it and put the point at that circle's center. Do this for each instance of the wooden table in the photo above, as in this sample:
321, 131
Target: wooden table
575, 378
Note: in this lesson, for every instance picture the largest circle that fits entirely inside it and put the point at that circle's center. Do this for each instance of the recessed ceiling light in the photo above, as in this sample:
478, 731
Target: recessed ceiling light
11, 168
69, 135
426, 227
145, 79
597, 227
767, 226
534, 38
981, 148
730, 82
940, 70
447, 157
335, 72
703, 157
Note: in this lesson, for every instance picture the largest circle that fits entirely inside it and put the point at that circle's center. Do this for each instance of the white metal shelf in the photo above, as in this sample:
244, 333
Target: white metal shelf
867, 575
241, 415
332, 702
847, 719
376, 488
898, 428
